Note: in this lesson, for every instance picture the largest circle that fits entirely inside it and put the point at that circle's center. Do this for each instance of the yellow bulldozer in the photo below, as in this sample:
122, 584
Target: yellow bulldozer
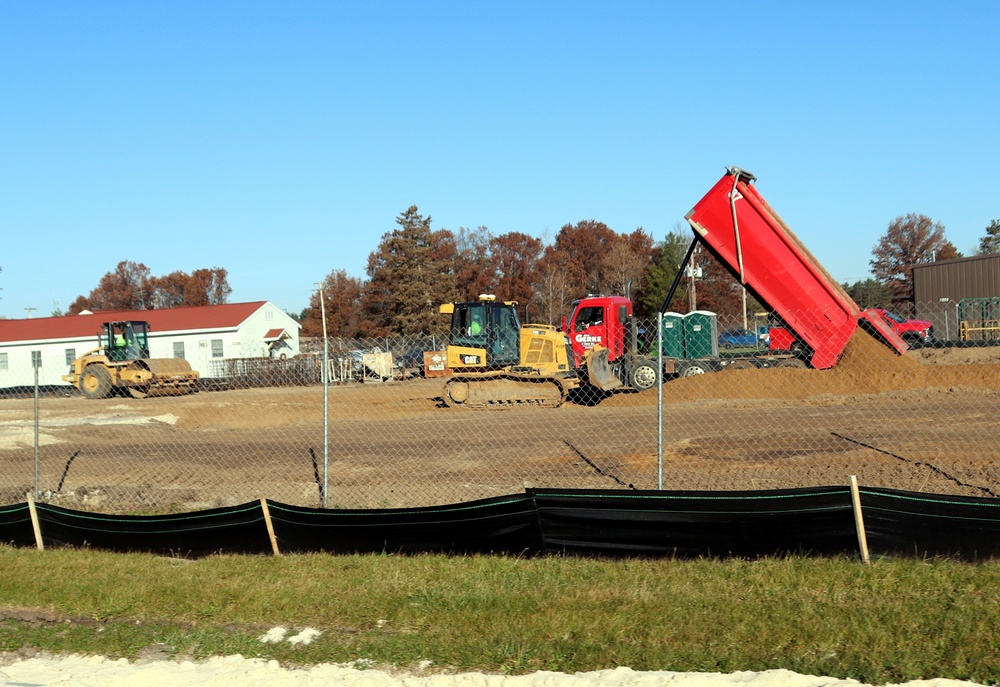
496, 362
122, 363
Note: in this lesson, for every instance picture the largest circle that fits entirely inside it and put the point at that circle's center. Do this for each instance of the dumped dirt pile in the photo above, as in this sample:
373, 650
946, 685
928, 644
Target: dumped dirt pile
866, 367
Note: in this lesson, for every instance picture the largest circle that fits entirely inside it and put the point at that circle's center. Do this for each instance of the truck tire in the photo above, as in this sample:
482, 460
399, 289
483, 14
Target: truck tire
643, 374
692, 368
798, 363
95, 382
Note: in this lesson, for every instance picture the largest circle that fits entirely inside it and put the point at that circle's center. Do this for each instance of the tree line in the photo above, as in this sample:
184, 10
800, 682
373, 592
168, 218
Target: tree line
131, 286
415, 268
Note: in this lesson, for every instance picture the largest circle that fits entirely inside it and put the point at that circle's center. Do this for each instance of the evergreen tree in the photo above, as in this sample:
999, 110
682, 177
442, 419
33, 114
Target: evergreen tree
407, 281
990, 244
869, 293
661, 272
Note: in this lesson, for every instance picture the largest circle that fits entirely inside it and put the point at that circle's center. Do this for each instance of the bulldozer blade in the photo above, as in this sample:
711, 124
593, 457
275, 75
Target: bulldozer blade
599, 371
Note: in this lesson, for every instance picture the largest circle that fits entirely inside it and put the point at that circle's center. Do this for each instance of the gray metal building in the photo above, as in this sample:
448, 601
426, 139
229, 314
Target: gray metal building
950, 292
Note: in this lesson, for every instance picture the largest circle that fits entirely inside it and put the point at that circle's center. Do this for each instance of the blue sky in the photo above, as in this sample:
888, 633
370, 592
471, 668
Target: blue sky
281, 140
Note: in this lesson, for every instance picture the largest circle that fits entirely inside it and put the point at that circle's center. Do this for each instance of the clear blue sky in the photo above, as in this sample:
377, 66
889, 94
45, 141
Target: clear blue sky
281, 140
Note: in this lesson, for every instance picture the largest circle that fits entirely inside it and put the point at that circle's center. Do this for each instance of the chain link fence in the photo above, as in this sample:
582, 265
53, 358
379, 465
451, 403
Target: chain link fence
376, 432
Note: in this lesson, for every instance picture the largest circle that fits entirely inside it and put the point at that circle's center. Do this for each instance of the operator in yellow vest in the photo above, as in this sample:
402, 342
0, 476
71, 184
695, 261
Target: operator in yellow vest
118, 348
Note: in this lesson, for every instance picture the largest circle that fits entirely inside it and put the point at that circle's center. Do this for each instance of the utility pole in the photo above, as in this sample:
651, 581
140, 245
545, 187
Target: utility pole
693, 271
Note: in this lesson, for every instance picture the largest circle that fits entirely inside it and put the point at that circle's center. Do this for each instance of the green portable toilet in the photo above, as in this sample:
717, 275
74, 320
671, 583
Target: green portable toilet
701, 335
673, 335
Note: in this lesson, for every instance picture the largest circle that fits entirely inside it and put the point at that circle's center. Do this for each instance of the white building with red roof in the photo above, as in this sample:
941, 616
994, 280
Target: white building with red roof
204, 336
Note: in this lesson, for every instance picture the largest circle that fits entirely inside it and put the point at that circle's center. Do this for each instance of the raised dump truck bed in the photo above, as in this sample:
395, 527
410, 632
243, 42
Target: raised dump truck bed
739, 228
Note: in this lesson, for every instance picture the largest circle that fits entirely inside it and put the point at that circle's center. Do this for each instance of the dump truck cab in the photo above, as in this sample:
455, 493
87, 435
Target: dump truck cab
605, 342
599, 321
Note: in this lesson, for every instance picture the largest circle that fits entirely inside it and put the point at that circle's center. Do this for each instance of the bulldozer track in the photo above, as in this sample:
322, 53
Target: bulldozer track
506, 390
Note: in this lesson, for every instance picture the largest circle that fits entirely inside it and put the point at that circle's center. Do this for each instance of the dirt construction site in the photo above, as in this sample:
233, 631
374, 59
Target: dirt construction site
924, 421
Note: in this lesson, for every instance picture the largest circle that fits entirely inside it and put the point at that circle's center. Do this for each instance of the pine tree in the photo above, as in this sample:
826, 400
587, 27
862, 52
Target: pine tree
990, 244
661, 272
407, 282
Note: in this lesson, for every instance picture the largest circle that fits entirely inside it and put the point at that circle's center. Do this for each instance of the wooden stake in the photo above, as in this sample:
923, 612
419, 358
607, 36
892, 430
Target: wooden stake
859, 521
34, 522
270, 527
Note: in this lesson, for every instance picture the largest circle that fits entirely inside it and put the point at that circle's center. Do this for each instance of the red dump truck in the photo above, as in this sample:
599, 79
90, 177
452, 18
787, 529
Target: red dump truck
741, 230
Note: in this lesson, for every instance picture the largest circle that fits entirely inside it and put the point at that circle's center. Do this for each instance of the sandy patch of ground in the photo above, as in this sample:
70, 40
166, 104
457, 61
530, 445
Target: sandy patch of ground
237, 671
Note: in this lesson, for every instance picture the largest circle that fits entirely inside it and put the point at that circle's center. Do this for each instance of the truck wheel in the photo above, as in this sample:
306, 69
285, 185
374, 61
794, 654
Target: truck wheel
692, 368
792, 362
643, 374
95, 382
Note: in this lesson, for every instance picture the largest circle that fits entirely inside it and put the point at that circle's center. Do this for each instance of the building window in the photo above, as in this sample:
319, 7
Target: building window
178, 349
217, 348
3, 361
36, 359
70, 355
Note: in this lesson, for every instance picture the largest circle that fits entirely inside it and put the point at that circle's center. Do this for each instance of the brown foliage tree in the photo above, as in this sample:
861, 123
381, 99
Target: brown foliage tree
130, 287
207, 287
126, 288
555, 291
583, 247
472, 264
589, 257
909, 240
201, 287
626, 261
168, 291
514, 257
342, 300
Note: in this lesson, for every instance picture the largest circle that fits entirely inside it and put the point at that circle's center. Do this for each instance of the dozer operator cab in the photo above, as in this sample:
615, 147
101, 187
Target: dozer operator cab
484, 333
126, 340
